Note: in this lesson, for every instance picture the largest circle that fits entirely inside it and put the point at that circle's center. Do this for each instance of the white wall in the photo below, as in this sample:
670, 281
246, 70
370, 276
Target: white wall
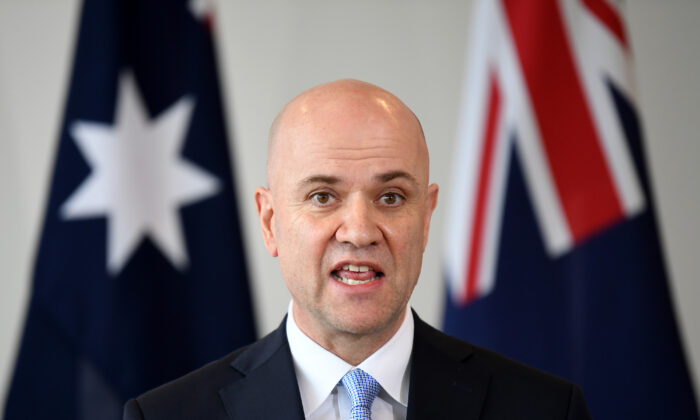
272, 50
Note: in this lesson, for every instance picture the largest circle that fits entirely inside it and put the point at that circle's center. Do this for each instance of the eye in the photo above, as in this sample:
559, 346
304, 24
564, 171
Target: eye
391, 199
322, 198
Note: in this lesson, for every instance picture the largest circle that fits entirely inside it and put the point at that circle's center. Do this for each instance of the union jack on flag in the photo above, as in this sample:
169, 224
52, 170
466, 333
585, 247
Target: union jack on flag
552, 255
546, 93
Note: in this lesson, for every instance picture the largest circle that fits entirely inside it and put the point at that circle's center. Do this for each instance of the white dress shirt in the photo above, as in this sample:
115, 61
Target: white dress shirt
319, 372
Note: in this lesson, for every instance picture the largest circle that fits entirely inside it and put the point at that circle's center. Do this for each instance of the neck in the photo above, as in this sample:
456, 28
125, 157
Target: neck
352, 347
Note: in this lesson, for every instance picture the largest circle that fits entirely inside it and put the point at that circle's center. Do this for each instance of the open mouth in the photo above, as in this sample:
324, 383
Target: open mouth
355, 275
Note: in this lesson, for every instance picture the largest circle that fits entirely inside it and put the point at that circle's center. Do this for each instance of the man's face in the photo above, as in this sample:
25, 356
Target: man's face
349, 210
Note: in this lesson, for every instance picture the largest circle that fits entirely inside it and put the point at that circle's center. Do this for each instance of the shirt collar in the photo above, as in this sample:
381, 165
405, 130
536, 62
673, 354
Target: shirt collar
319, 371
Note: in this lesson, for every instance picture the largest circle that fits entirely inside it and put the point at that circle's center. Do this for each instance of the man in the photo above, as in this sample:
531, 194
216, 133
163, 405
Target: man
347, 212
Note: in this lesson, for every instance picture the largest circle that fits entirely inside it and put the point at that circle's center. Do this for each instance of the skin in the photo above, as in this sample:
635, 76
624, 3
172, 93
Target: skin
347, 184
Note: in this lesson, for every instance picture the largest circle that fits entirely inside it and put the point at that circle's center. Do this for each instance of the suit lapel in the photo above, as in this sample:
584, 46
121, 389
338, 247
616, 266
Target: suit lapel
443, 382
267, 388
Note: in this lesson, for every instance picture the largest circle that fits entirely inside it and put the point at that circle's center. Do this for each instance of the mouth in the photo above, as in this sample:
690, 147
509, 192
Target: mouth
356, 274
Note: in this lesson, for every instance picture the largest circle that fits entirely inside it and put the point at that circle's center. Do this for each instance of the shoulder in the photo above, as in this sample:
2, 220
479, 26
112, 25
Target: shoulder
196, 394
508, 387
484, 359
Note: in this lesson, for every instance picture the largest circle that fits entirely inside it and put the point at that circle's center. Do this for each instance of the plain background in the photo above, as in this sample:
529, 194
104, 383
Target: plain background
270, 51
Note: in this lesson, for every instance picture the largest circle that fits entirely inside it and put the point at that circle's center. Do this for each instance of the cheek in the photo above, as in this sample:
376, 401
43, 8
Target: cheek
405, 241
405, 232
304, 238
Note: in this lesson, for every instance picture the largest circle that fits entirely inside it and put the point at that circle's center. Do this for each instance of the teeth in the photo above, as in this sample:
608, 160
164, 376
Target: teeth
357, 269
352, 282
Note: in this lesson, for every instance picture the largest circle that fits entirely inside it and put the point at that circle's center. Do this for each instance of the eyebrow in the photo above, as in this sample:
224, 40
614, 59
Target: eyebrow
388, 176
331, 180
320, 179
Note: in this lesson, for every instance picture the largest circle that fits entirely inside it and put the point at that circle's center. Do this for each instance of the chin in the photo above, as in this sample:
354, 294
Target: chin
369, 325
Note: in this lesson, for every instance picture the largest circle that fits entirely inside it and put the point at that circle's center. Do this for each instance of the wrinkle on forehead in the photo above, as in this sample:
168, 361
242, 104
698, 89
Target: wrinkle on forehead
375, 146
339, 106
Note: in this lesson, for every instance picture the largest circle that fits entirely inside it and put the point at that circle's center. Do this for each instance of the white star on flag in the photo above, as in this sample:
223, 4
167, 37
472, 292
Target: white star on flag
139, 180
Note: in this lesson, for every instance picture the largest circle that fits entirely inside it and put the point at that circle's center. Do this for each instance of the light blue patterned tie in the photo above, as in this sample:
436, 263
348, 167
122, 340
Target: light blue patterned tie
362, 388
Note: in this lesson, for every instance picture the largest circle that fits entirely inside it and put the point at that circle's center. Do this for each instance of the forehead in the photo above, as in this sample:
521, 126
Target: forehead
348, 133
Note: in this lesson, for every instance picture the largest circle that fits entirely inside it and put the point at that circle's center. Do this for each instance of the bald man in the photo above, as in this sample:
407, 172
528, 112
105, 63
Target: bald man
347, 212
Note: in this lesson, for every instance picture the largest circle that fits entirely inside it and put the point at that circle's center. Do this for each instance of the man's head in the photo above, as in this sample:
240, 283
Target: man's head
348, 207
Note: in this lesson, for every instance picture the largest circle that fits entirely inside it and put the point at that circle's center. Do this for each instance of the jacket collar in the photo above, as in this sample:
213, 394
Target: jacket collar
443, 382
267, 388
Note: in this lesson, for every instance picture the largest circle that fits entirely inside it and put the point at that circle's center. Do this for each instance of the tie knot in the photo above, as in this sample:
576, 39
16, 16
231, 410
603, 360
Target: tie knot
362, 388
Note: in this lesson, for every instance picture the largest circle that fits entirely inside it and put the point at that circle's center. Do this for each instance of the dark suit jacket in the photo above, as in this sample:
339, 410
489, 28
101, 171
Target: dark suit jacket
450, 379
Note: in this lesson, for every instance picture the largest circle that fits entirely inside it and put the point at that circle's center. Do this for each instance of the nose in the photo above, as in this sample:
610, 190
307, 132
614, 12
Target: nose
358, 225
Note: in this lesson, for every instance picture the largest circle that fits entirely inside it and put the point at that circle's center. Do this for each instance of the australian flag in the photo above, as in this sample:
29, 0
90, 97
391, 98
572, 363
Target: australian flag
553, 255
140, 274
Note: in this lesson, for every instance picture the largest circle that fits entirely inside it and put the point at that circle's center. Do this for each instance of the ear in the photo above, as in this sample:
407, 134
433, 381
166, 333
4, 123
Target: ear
264, 204
430, 204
